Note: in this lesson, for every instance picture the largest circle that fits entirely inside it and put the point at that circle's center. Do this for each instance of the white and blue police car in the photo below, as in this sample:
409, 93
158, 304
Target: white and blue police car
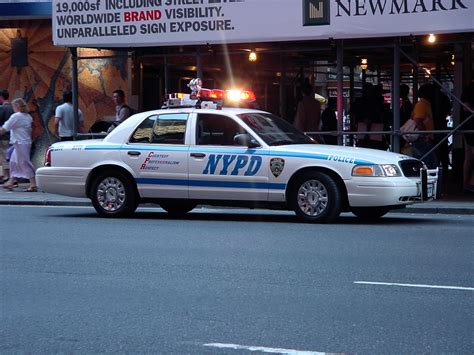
193, 151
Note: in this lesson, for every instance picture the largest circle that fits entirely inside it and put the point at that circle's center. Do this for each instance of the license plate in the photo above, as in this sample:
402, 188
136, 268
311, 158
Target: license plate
429, 190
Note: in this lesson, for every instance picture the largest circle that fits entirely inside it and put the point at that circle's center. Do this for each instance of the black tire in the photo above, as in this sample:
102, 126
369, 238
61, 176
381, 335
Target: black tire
177, 208
316, 197
114, 194
370, 213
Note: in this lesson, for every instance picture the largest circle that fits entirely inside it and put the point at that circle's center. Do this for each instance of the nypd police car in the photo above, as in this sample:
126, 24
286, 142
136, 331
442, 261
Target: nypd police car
194, 151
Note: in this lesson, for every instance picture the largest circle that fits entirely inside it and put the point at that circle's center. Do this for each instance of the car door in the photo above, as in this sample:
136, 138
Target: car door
220, 169
157, 153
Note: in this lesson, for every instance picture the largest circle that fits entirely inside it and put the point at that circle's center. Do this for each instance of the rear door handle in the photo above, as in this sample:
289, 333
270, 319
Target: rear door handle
198, 155
134, 153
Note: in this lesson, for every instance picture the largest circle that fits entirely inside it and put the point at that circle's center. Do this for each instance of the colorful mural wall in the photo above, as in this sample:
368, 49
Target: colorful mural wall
48, 74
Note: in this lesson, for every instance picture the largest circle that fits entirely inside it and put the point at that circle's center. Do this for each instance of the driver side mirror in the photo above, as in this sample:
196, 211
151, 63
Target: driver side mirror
246, 140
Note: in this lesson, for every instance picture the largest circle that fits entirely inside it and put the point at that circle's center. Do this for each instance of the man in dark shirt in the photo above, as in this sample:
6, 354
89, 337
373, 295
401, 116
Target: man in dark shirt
406, 107
329, 121
122, 110
308, 112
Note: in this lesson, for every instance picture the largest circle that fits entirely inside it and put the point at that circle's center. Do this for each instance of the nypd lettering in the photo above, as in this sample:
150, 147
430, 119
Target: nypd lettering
341, 158
232, 164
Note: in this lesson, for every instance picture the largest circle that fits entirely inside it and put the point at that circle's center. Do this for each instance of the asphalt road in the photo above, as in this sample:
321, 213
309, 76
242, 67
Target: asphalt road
232, 282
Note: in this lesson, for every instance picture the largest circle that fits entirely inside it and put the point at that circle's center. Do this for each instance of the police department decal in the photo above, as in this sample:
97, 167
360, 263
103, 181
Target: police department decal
276, 166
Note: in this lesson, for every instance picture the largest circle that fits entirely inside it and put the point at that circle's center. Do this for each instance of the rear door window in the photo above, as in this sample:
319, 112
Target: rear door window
162, 129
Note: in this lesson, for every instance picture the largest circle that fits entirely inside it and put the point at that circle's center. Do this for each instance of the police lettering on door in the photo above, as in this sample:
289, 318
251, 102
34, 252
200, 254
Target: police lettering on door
232, 164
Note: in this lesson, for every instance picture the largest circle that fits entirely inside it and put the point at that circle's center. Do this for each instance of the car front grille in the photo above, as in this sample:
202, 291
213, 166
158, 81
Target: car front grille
411, 168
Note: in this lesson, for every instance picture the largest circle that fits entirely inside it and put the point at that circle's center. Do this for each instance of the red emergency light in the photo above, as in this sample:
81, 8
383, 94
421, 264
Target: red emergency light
231, 95
214, 94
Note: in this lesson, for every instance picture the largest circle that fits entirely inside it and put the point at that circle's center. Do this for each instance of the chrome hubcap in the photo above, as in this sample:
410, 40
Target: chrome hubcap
312, 198
111, 194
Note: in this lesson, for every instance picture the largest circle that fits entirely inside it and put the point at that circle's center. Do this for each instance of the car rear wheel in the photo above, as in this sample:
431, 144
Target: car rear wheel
316, 197
369, 213
113, 194
177, 208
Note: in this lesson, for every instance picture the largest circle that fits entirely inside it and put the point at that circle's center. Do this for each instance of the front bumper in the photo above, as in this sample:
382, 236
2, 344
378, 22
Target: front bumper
384, 191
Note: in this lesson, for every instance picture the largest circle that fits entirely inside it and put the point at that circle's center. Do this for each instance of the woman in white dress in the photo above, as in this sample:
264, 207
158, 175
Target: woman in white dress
20, 126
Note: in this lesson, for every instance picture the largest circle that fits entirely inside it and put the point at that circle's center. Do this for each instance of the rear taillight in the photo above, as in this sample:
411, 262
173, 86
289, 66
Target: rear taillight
47, 157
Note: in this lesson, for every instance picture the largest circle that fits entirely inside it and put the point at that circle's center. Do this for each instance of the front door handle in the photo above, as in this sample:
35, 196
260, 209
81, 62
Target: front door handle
134, 153
198, 155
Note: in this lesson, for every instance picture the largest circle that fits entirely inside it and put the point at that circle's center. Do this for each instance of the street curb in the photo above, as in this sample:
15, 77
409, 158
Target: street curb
417, 210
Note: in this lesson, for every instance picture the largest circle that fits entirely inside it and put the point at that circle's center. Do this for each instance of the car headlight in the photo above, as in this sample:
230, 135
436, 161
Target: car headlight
389, 170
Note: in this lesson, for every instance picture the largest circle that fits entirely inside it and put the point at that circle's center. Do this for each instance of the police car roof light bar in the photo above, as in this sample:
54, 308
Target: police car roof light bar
207, 98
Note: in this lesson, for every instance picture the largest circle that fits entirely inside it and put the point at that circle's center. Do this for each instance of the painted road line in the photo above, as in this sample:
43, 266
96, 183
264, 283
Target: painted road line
414, 285
263, 349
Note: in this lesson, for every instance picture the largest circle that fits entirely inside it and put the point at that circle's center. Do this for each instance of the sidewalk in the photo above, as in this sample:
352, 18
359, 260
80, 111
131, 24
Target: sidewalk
452, 203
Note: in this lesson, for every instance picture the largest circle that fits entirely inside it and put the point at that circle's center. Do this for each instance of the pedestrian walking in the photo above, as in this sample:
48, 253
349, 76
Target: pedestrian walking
64, 119
122, 110
308, 112
6, 110
467, 98
20, 127
406, 107
329, 121
441, 110
369, 114
423, 117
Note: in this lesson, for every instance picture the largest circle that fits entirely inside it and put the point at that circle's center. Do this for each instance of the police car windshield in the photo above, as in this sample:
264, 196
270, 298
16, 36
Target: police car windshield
274, 130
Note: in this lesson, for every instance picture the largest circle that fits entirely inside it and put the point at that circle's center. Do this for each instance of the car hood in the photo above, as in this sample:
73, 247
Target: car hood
340, 153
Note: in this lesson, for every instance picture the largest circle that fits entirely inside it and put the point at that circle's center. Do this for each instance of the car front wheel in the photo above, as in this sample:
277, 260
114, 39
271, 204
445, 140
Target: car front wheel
113, 194
316, 197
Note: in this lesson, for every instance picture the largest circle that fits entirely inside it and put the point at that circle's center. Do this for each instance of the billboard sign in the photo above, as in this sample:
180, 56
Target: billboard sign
132, 23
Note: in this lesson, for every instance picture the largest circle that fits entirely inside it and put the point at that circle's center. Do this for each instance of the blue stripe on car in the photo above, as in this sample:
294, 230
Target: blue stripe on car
207, 183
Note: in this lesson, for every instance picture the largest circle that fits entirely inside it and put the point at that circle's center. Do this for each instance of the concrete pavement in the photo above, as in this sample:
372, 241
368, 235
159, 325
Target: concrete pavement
452, 203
